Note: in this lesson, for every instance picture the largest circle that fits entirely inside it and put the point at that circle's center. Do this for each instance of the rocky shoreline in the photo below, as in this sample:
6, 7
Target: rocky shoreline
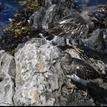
54, 54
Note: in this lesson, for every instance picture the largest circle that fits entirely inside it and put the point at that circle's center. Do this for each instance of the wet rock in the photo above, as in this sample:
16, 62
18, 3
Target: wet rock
72, 96
59, 41
7, 77
73, 53
95, 41
105, 36
101, 15
99, 94
105, 40
99, 65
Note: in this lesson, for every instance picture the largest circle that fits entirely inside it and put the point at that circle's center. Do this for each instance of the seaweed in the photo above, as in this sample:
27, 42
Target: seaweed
20, 25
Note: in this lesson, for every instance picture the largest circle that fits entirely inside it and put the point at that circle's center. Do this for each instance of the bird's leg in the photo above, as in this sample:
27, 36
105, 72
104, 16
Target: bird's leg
78, 50
85, 93
41, 35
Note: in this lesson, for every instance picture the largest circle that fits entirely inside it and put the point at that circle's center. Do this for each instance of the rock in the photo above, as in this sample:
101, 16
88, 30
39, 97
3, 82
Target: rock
40, 77
74, 97
59, 41
73, 53
51, 12
105, 40
7, 75
38, 80
105, 36
45, 71
99, 65
95, 41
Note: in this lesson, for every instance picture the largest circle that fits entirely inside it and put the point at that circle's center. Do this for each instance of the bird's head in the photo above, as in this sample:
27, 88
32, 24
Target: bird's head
90, 19
88, 15
66, 58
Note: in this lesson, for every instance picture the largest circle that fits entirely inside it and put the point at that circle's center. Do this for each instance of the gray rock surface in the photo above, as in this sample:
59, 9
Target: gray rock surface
95, 41
7, 75
55, 68
38, 81
41, 79
52, 12
41, 76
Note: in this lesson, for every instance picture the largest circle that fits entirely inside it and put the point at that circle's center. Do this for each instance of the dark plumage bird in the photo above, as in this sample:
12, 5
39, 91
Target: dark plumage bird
74, 25
80, 68
99, 94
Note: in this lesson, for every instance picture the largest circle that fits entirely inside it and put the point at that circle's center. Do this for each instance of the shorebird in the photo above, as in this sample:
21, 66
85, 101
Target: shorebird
73, 27
76, 66
76, 24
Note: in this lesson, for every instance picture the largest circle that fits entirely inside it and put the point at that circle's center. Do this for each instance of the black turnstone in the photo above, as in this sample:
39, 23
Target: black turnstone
76, 66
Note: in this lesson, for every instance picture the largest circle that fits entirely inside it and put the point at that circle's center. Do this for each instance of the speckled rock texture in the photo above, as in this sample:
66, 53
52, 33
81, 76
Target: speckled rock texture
37, 78
61, 61
41, 79
7, 77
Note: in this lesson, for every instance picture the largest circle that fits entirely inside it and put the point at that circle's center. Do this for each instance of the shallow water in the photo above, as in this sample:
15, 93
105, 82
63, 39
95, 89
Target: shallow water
10, 7
90, 3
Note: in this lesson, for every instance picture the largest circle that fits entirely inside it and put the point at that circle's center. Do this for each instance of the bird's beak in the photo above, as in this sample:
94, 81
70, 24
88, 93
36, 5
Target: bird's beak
94, 19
